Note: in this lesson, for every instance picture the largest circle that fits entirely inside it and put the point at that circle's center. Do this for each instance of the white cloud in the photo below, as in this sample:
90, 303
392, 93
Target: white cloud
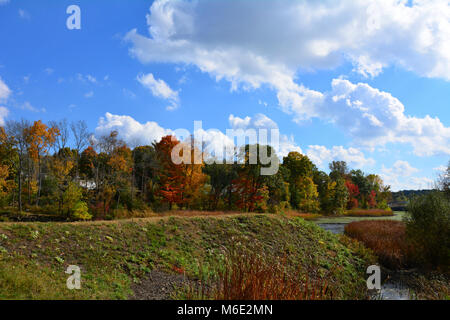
267, 45
300, 34
400, 177
2, 2
160, 89
130, 130
214, 140
5, 92
375, 118
89, 94
322, 156
136, 133
286, 143
440, 169
29, 107
91, 78
400, 168
3, 114
86, 78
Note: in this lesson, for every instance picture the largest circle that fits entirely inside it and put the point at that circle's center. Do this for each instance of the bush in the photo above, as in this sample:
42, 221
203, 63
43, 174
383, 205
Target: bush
428, 227
81, 212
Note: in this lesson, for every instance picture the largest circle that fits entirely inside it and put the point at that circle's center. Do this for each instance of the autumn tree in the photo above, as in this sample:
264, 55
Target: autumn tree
353, 193
195, 180
40, 138
250, 186
6, 160
340, 197
307, 196
299, 167
338, 170
171, 175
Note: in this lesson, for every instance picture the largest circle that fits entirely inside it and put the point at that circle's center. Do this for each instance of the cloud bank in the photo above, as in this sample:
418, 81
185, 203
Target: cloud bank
267, 45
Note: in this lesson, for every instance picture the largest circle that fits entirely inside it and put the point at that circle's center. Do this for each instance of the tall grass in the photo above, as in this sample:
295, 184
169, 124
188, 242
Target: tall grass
386, 238
246, 275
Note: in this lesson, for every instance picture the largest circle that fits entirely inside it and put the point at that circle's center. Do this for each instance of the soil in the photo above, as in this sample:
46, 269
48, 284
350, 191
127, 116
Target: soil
158, 285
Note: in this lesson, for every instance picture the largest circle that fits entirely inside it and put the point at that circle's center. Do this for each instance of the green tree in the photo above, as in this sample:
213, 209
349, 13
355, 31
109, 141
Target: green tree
338, 170
428, 227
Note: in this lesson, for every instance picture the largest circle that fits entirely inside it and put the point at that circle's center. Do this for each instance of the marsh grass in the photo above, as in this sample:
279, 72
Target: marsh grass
386, 238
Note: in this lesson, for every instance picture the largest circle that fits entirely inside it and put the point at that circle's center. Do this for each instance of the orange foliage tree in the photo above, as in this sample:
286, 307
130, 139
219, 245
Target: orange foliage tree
40, 138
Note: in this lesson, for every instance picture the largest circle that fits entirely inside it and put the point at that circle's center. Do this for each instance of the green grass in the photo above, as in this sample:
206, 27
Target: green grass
34, 256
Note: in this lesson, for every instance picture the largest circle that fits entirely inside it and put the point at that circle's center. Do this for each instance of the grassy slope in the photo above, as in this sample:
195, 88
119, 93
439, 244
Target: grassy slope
34, 256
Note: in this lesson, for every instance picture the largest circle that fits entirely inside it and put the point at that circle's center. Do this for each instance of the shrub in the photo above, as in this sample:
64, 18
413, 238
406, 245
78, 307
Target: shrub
428, 227
81, 212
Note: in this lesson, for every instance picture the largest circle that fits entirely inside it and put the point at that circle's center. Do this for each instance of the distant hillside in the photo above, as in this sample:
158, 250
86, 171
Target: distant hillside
401, 198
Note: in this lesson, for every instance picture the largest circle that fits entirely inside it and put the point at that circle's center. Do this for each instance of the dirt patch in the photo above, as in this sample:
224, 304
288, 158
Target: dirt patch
158, 285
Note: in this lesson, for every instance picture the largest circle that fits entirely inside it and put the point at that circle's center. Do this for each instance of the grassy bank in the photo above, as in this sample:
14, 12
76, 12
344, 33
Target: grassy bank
114, 256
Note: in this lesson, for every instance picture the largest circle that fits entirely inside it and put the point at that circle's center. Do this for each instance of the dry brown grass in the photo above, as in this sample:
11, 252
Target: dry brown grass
369, 213
248, 276
386, 238
306, 216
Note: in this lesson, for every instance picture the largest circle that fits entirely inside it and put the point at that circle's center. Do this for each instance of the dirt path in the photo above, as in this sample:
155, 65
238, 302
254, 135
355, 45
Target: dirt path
154, 219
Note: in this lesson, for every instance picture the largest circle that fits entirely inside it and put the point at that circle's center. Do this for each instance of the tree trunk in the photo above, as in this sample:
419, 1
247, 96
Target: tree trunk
39, 181
20, 186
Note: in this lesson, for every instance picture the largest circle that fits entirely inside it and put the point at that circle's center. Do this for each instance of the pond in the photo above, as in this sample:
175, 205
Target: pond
392, 288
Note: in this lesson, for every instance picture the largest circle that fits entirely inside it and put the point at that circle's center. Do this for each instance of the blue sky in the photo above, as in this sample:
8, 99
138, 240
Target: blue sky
367, 82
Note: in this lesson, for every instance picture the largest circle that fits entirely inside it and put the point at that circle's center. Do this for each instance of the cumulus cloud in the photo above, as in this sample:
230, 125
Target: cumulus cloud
400, 168
5, 92
322, 156
267, 45
3, 114
301, 34
89, 94
285, 143
130, 130
2, 2
375, 118
214, 142
160, 89
400, 177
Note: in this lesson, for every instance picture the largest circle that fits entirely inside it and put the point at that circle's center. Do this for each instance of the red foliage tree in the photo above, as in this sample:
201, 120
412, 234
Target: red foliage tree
247, 191
171, 175
372, 202
353, 192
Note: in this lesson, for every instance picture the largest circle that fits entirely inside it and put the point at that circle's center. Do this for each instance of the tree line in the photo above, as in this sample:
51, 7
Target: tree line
60, 168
